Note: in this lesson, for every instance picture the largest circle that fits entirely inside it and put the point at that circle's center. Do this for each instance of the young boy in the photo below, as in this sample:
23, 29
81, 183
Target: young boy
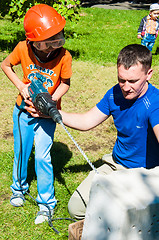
41, 54
148, 29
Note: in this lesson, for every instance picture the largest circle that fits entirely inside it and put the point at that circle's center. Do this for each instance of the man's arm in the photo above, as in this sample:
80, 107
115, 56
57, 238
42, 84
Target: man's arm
84, 121
156, 131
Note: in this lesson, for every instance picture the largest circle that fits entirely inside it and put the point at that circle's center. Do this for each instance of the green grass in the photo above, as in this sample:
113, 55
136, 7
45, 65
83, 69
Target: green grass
101, 33
94, 43
97, 37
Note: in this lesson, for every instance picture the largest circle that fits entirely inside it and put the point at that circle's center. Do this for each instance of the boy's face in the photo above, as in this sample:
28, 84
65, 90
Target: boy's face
133, 81
50, 44
154, 14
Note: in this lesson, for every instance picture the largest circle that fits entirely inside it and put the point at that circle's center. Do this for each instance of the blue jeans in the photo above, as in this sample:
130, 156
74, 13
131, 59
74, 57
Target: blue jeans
148, 40
40, 130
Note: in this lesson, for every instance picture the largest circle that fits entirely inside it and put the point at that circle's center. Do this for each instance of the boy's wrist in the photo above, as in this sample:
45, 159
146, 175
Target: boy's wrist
54, 99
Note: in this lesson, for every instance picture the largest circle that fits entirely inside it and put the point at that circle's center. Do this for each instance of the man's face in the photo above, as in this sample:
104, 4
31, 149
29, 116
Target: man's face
133, 81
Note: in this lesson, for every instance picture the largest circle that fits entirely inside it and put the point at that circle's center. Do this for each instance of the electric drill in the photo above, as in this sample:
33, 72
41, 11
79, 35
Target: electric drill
42, 99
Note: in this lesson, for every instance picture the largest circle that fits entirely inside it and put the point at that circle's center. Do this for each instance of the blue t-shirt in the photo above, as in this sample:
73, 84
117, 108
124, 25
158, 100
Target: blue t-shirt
136, 145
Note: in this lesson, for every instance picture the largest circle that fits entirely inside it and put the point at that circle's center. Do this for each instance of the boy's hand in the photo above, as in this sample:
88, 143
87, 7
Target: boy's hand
32, 110
139, 36
24, 91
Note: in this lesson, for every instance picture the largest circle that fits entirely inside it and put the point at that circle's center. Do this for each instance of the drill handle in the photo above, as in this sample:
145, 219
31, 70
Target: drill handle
44, 103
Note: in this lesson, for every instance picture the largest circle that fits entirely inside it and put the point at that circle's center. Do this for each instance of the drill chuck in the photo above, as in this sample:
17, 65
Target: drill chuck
55, 115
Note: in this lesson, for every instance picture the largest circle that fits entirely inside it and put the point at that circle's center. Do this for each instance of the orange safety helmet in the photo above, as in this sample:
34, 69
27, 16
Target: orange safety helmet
41, 22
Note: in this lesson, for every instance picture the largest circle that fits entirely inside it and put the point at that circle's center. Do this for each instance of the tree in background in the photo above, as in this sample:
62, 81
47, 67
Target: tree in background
17, 8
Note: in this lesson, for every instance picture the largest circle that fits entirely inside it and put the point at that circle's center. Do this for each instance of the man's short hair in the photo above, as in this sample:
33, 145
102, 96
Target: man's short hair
134, 54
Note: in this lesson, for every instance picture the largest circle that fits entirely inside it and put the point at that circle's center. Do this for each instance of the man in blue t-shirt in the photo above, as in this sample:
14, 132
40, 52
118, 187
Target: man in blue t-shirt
134, 105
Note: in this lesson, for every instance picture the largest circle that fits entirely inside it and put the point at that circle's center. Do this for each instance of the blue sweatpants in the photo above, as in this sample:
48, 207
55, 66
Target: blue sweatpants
38, 131
148, 41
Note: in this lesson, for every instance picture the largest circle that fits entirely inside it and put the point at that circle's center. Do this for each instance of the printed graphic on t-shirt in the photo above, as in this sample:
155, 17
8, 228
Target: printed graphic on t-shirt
43, 74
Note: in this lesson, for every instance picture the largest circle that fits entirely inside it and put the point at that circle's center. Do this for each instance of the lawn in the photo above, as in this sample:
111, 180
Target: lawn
94, 43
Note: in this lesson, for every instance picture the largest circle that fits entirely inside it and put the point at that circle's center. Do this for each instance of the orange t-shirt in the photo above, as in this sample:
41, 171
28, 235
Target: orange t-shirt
52, 71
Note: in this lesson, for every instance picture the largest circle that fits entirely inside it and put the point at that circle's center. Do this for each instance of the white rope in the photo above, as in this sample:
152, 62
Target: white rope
81, 151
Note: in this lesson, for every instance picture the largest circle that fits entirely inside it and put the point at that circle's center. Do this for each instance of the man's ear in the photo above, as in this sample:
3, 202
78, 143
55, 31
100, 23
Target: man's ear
149, 74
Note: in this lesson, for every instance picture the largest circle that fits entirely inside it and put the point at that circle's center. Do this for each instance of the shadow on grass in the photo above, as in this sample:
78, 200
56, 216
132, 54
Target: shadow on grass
10, 44
156, 52
60, 155
84, 167
74, 54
